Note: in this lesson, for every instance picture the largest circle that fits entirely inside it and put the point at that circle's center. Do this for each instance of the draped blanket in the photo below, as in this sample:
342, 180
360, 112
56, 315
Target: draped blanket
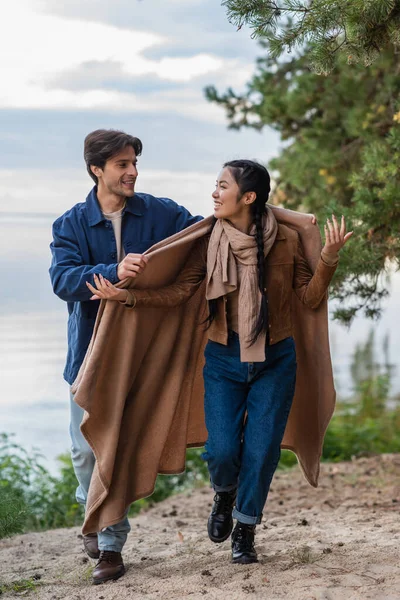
141, 383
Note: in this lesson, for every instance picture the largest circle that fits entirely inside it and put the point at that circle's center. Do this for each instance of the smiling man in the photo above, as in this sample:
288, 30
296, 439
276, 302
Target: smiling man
105, 235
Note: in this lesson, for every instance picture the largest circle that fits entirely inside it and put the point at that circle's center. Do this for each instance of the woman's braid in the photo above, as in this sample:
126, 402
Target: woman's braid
260, 247
262, 321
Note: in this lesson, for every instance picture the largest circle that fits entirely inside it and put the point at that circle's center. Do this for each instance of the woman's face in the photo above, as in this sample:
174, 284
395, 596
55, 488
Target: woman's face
227, 204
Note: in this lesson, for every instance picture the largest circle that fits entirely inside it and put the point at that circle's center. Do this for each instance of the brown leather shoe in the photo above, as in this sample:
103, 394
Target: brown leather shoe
90, 545
109, 567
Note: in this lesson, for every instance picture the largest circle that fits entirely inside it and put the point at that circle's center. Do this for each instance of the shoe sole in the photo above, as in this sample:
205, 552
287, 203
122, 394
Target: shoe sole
94, 556
105, 579
219, 540
244, 561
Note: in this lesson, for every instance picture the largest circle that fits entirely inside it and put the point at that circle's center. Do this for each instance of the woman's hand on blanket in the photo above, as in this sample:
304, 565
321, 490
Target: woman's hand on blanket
335, 235
105, 290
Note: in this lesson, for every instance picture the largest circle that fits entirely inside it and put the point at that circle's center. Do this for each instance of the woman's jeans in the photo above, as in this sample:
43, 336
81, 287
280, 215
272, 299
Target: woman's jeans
243, 451
111, 538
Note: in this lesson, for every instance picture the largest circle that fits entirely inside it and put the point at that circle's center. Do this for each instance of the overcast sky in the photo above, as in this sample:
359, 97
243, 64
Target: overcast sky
139, 65
68, 68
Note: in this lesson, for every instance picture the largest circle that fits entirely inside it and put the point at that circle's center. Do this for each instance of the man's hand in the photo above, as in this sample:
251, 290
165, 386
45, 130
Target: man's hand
105, 290
131, 266
335, 236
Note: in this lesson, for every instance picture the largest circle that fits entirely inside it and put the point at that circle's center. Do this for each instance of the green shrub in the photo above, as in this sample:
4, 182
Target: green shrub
13, 511
52, 499
32, 498
369, 422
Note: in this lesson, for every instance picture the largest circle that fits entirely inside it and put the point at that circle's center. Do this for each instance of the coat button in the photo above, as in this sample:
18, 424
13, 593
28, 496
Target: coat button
113, 255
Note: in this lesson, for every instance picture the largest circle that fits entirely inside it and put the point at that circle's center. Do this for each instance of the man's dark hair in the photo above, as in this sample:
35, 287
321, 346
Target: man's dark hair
103, 144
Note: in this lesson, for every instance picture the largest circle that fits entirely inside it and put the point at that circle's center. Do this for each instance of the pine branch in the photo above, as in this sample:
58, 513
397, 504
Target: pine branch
360, 30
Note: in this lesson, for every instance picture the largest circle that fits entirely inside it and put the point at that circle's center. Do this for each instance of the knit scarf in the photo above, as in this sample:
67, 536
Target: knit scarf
228, 245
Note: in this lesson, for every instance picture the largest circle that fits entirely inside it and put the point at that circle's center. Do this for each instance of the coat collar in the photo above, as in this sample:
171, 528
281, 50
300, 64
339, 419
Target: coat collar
134, 206
280, 235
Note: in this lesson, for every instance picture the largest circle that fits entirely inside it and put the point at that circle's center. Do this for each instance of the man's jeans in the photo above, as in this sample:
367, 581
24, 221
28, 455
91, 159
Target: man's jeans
243, 452
111, 538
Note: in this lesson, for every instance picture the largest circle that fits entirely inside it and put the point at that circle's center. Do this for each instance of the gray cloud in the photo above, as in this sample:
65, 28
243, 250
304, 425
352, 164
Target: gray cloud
53, 139
190, 26
108, 75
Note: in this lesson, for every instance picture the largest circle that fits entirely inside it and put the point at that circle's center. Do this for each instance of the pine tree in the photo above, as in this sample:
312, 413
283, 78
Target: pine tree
341, 154
358, 29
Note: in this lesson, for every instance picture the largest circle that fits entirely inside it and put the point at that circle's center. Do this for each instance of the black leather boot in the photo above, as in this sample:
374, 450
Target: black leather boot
220, 522
243, 551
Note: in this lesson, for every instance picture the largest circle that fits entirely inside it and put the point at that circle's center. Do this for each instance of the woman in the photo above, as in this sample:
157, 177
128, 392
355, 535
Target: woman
252, 265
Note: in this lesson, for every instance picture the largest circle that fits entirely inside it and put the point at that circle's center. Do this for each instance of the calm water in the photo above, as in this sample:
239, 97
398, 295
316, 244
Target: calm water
33, 395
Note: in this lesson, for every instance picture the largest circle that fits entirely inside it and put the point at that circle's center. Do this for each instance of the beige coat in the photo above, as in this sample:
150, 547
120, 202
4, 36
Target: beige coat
141, 383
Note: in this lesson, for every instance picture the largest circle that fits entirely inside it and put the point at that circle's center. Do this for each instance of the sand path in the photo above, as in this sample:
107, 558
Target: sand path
340, 541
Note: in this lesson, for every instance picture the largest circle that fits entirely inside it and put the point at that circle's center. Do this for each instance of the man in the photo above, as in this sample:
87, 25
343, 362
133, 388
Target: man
106, 235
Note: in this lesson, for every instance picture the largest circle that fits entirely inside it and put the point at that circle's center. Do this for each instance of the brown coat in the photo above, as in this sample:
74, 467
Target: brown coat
286, 271
141, 383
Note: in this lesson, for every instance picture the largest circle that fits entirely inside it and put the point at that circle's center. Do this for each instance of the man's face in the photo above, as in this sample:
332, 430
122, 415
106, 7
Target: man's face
119, 174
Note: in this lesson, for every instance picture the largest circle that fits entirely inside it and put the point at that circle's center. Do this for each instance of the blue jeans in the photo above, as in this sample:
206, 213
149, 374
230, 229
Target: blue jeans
246, 407
111, 538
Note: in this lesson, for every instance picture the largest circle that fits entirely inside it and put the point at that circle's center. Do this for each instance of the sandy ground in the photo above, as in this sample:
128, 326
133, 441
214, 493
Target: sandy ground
340, 541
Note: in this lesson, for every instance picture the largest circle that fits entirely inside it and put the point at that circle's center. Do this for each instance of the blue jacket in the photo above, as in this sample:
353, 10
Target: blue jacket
84, 244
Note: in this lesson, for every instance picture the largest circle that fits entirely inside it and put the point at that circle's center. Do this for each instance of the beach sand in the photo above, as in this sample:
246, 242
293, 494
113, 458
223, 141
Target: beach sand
339, 541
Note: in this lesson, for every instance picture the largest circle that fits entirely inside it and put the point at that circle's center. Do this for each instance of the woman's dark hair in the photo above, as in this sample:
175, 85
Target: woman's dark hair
252, 177
103, 144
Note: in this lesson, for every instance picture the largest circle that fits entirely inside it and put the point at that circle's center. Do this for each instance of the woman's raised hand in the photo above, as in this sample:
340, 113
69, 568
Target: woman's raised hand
335, 235
105, 290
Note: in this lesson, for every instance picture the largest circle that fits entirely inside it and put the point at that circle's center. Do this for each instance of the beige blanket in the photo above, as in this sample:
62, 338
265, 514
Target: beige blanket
141, 382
